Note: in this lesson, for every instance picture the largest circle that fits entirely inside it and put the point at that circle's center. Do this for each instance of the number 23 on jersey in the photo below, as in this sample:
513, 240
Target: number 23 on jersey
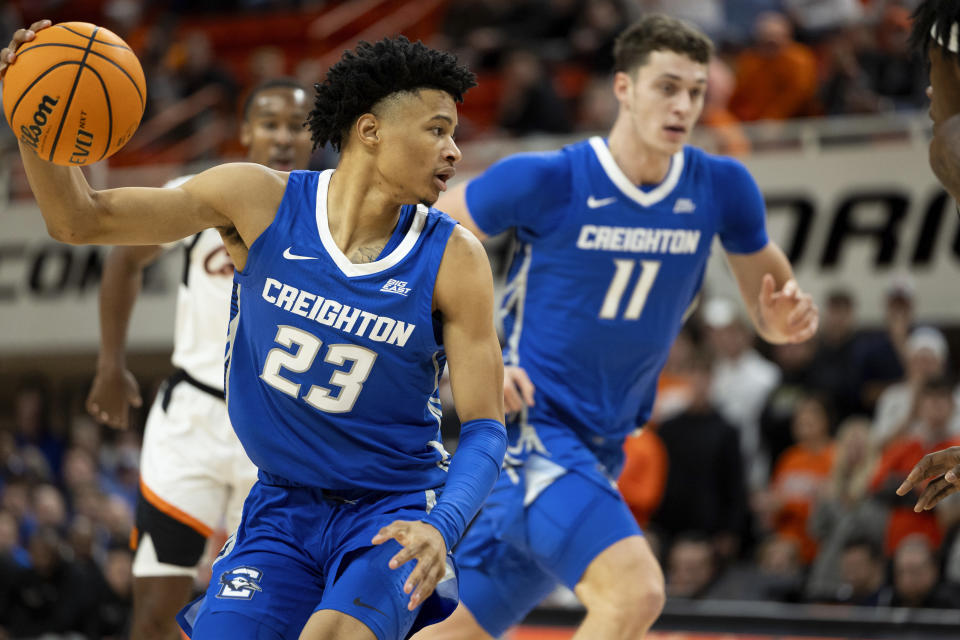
301, 349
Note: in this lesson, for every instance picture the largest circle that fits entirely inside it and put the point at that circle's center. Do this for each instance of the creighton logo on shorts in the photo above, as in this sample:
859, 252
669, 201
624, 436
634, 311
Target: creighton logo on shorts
240, 583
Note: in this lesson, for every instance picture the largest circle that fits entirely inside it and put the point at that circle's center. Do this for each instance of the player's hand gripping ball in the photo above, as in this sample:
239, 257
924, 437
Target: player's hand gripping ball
74, 94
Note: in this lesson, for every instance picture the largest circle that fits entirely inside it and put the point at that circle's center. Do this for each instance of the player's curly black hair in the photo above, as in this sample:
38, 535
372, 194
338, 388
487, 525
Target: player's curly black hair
933, 23
370, 73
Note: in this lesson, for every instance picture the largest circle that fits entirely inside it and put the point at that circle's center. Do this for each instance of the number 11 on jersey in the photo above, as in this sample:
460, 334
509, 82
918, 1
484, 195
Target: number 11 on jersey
621, 278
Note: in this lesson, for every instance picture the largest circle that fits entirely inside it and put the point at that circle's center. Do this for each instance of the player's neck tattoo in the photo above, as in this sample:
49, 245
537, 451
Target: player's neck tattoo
366, 254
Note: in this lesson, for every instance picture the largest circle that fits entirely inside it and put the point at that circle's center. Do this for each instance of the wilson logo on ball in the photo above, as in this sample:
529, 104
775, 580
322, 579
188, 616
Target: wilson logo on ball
30, 134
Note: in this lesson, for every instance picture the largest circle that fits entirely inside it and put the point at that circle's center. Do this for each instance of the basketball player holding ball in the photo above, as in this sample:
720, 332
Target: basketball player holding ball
350, 294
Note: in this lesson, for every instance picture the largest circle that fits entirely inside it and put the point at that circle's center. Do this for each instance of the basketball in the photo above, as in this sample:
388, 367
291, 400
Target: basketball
75, 94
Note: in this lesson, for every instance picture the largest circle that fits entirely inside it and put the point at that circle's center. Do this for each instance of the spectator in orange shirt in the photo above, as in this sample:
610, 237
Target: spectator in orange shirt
728, 136
935, 410
644, 473
802, 473
776, 76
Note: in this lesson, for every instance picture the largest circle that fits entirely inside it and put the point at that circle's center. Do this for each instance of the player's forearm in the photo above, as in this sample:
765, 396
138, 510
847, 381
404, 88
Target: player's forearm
473, 472
66, 200
945, 154
477, 392
119, 289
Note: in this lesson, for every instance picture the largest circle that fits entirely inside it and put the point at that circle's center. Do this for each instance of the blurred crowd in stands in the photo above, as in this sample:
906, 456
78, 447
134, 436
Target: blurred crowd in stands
544, 65
68, 491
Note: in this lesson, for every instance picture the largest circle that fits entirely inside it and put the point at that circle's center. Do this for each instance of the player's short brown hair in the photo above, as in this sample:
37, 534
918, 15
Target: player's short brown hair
658, 32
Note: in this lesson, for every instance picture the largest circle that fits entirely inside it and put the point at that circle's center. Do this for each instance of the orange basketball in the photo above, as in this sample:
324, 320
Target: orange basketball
75, 94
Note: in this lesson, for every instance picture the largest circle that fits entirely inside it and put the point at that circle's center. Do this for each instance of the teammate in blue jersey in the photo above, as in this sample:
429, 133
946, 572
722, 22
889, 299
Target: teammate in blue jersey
349, 295
613, 237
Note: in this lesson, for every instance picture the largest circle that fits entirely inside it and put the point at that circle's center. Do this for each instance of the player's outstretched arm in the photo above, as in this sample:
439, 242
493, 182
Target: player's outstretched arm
464, 296
114, 389
243, 196
780, 310
944, 467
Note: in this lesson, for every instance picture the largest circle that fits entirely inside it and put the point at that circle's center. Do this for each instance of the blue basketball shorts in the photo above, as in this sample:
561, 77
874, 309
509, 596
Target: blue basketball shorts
514, 554
299, 550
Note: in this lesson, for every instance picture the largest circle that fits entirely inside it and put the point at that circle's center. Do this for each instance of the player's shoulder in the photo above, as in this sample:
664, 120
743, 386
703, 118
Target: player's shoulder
242, 174
246, 185
462, 243
717, 166
554, 164
464, 269
464, 253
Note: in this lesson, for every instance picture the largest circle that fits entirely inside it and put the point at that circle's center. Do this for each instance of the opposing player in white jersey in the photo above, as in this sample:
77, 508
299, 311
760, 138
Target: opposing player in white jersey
613, 240
194, 474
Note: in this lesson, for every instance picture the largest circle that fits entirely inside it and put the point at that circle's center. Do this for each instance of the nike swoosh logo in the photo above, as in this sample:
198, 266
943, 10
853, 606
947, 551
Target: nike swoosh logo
359, 603
593, 203
293, 256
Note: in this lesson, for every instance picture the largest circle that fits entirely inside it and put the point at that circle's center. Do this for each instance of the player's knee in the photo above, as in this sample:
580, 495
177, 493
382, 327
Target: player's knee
633, 601
632, 613
650, 601
635, 606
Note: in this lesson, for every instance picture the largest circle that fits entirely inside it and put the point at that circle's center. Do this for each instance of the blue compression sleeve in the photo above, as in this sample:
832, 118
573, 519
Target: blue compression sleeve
473, 471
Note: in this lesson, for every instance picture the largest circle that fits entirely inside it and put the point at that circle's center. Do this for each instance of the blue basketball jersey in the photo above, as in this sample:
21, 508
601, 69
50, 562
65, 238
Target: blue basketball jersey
603, 275
332, 368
